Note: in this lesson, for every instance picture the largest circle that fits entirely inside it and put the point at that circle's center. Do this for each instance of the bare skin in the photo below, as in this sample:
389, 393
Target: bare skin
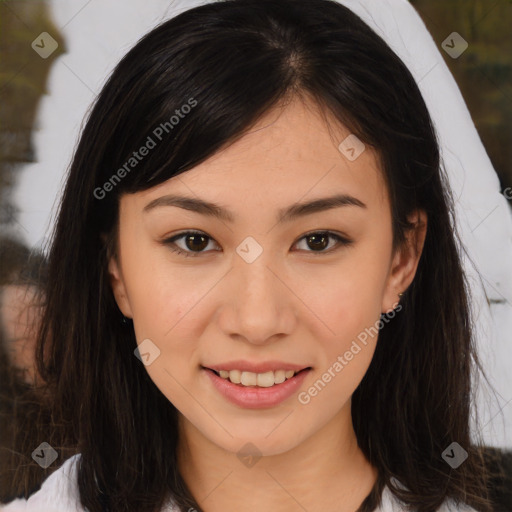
294, 303
20, 317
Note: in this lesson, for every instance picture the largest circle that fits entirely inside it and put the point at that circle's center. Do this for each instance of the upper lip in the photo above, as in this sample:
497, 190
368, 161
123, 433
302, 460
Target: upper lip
262, 367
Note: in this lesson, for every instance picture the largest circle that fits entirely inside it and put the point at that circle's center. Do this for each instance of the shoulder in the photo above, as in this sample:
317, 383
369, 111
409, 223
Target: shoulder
59, 493
390, 503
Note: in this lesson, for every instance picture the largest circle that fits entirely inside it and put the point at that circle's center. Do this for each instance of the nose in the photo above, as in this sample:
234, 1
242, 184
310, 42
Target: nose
260, 307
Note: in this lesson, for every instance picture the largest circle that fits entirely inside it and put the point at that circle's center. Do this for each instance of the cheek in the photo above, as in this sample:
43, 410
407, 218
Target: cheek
348, 345
162, 299
347, 301
161, 294
351, 310
346, 297
165, 304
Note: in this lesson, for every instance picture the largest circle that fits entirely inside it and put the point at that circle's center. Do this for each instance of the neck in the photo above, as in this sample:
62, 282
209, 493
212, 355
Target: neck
327, 471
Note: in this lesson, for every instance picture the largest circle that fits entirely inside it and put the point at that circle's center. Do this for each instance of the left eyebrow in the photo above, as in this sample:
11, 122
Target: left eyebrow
318, 205
292, 212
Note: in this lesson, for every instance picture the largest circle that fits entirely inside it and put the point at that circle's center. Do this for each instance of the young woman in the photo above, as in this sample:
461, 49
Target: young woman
255, 298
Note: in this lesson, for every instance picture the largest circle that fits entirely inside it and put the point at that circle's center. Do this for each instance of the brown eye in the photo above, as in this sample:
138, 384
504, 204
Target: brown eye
196, 242
193, 243
319, 241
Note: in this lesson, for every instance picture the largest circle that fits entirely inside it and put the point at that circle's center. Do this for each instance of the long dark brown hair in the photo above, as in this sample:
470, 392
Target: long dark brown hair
23, 414
233, 61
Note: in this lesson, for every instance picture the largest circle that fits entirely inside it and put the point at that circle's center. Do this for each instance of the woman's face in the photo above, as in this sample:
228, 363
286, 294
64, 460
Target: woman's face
254, 296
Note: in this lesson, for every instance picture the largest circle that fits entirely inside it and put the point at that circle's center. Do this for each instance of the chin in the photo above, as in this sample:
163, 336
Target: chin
273, 439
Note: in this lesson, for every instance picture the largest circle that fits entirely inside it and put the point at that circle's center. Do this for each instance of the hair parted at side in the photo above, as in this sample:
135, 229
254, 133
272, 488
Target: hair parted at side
234, 60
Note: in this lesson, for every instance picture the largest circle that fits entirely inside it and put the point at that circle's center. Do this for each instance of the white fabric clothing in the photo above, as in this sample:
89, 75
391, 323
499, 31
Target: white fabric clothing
59, 493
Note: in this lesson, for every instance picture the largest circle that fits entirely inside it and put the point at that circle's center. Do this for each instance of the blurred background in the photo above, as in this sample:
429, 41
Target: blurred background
54, 58
484, 75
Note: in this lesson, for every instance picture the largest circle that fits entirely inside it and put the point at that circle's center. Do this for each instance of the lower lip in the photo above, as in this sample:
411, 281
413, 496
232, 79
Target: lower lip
256, 397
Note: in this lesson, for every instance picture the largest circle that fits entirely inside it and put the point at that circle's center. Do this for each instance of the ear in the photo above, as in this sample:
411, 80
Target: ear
405, 261
118, 286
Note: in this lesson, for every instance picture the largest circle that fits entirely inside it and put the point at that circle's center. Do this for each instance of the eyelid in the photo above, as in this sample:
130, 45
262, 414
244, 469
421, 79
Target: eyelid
170, 242
343, 241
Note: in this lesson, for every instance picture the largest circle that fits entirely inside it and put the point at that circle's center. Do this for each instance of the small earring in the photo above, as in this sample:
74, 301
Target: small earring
400, 294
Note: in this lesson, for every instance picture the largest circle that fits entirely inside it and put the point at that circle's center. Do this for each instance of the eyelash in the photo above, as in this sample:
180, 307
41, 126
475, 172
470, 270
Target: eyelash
342, 242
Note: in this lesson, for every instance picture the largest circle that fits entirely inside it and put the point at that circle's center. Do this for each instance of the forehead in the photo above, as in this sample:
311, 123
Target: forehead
292, 153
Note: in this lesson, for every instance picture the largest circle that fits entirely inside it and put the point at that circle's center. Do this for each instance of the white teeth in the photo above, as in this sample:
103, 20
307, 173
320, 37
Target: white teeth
279, 376
263, 380
248, 379
235, 376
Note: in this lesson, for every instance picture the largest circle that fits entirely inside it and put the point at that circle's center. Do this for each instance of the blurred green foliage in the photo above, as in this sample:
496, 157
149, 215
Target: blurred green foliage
23, 77
484, 71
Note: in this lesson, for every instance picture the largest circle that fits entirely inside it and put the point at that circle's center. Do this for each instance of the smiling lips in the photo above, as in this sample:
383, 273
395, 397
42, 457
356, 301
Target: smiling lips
262, 375
254, 396
263, 380
256, 386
